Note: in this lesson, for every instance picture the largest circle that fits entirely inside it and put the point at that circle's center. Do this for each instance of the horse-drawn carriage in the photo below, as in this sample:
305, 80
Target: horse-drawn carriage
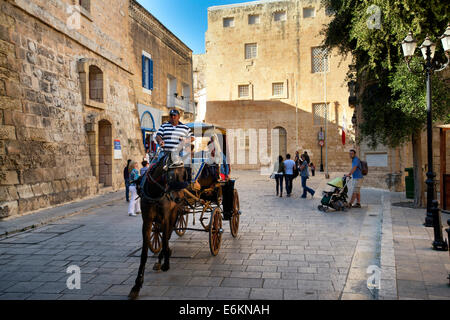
211, 192
167, 200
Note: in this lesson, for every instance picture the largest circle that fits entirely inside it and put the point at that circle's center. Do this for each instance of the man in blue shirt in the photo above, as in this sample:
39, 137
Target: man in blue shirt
357, 179
289, 165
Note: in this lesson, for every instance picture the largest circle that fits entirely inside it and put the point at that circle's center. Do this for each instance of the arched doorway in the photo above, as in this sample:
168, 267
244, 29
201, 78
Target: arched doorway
105, 153
279, 142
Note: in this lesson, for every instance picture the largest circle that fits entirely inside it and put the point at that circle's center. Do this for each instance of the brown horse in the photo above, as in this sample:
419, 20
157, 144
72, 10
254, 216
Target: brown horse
161, 200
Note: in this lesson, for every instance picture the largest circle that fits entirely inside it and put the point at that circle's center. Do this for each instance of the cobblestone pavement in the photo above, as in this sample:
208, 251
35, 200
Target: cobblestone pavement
286, 249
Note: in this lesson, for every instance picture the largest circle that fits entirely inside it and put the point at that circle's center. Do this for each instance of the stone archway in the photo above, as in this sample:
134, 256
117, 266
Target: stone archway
105, 153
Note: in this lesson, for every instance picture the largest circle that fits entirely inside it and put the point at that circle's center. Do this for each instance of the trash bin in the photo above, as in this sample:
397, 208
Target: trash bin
409, 183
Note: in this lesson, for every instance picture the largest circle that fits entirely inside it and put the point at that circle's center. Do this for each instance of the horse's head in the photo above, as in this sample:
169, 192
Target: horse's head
176, 178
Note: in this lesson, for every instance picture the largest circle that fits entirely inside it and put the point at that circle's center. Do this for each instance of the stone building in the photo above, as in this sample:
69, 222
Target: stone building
71, 91
163, 71
267, 73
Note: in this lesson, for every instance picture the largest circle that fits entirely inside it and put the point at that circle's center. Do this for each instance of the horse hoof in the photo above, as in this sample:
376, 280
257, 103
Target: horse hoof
165, 267
134, 293
157, 266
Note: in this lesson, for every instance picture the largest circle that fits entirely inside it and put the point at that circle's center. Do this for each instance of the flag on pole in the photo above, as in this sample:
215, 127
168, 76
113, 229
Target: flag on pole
344, 126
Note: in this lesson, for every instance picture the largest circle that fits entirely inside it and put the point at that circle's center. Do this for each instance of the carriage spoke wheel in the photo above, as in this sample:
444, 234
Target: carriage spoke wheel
155, 238
181, 223
234, 221
215, 231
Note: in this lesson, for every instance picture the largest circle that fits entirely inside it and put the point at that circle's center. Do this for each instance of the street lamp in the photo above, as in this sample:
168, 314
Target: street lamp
428, 48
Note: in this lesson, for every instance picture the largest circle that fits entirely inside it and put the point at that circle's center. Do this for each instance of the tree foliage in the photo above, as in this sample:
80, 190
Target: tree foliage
392, 98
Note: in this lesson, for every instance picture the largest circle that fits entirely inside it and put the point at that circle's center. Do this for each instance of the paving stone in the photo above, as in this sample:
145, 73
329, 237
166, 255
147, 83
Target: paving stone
242, 282
266, 294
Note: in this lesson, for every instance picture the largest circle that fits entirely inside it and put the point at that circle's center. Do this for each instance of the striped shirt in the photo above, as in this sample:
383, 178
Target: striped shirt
172, 134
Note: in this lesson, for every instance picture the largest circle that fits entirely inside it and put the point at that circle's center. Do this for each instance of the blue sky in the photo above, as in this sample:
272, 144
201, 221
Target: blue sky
187, 19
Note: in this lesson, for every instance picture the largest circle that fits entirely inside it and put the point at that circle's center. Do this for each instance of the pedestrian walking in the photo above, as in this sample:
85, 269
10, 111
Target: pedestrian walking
306, 157
135, 205
304, 174
144, 168
126, 177
278, 172
289, 165
297, 159
357, 180
313, 169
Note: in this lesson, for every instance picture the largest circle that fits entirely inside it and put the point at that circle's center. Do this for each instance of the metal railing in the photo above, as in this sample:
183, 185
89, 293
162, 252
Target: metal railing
185, 104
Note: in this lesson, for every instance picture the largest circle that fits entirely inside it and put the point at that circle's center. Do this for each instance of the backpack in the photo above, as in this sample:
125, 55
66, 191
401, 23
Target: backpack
364, 167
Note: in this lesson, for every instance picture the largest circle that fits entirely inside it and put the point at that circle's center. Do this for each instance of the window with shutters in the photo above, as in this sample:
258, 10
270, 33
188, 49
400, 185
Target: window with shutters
251, 50
319, 59
244, 139
253, 19
319, 112
243, 91
147, 71
228, 22
279, 16
277, 89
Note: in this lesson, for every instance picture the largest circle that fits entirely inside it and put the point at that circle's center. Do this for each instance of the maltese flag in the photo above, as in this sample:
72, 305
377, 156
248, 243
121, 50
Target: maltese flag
344, 127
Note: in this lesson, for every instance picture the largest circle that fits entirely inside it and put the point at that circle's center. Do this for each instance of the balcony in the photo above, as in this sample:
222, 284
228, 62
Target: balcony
180, 103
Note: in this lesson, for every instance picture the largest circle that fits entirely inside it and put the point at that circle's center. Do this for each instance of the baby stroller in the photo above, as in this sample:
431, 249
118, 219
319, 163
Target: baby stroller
336, 199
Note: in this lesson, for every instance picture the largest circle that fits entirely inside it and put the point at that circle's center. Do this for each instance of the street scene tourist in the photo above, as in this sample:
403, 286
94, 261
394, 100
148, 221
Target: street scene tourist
205, 113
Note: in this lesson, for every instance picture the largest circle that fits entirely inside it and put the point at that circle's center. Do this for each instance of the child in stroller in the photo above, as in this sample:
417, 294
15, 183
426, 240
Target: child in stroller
336, 199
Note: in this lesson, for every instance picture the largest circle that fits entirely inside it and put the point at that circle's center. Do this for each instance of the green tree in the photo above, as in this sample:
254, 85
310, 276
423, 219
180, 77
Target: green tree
392, 99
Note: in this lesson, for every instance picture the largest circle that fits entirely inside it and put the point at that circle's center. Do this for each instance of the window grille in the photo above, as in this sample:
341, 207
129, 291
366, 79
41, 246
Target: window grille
277, 89
319, 64
319, 112
243, 91
251, 50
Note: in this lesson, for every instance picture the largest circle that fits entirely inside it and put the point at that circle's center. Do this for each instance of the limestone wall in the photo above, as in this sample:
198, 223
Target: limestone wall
51, 148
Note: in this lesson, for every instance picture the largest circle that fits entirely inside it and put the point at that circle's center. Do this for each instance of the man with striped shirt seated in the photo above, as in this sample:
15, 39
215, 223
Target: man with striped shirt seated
171, 134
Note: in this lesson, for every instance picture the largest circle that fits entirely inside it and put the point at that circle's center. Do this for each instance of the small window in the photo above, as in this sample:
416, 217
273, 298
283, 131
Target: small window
147, 72
279, 16
319, 111
277, 88
253, 19
251, 50
243, 91
228, 22
95, 84
319, 59
308, 12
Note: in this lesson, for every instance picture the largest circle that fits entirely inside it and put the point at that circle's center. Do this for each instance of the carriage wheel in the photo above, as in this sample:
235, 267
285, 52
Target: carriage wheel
215, 231
181, 223
234, 221
155, 239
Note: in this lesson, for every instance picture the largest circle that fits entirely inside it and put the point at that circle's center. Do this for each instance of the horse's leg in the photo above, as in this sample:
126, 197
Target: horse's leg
147, 222
171, 217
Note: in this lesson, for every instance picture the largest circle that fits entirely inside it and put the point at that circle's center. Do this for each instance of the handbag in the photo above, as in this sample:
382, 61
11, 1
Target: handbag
272, 176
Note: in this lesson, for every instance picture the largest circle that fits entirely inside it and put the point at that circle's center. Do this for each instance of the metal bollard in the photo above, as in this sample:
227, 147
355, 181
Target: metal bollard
439, 243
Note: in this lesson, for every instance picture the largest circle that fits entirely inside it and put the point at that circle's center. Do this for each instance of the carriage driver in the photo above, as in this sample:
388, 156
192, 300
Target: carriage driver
171, 134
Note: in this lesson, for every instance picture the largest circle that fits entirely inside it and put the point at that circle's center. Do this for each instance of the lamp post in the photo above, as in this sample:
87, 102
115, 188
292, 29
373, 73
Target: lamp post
428, 48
